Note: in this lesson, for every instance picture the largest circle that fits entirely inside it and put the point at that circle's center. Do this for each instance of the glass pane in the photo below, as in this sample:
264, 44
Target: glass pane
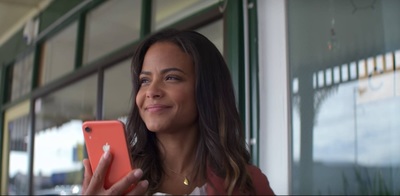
58, 149
58, 55
167, 12
111, 26
17, 126
117, 91
215, 33
346, 106
22, 77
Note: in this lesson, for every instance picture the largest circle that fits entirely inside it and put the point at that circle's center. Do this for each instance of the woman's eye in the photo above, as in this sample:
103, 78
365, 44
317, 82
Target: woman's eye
172, 78
143, 81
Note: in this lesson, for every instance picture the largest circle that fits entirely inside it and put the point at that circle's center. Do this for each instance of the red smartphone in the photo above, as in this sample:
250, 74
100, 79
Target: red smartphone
110, 135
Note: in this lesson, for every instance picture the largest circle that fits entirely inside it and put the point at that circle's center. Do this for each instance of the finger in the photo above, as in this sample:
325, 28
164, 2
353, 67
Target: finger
97, 181
87, 175
140, 188
130, 179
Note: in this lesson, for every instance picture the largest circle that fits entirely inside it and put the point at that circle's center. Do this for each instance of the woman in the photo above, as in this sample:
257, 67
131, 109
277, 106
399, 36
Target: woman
185, 131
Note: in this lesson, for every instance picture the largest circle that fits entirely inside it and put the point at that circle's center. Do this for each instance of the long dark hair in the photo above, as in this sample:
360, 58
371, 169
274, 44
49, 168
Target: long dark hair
221, 145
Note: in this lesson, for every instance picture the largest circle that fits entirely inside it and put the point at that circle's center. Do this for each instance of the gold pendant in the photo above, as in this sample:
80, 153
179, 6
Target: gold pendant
186, 182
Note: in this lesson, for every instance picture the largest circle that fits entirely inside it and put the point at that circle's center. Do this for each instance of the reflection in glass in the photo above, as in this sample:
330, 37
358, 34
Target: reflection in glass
22, 77
58, 55
167, 12
110, 26
17, 126
58, 150
345, 127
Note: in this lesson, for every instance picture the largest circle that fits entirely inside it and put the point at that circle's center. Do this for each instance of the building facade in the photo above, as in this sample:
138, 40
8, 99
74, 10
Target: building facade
316, 82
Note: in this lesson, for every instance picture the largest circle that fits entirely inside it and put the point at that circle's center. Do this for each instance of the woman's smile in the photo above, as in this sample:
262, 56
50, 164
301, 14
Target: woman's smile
157, 108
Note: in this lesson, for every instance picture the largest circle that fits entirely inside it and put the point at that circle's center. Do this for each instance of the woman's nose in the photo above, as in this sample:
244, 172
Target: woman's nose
154, 91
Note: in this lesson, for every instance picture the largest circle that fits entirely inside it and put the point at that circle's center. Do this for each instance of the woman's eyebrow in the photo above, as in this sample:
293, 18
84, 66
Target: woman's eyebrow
171, 69
145, 73
163, 71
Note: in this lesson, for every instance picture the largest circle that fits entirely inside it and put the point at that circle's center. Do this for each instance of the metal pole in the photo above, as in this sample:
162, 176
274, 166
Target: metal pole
246, 72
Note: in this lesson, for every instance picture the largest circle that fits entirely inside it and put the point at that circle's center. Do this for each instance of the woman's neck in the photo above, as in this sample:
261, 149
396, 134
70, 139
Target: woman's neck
178, 150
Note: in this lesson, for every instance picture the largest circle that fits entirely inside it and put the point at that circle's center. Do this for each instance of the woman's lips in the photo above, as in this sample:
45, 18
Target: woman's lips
156, 108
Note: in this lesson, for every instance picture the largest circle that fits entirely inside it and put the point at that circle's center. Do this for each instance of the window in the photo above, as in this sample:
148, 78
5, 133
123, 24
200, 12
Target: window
117, 91
110, 26
58, 55
58, 149
16, 128
22, 77
167, 12
345, 112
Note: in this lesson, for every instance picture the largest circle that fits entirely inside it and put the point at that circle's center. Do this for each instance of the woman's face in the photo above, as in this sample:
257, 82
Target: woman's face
166, 97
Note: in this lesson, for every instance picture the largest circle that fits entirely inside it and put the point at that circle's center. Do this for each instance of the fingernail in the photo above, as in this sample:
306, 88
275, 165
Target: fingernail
138, 173
106, 154
144, 183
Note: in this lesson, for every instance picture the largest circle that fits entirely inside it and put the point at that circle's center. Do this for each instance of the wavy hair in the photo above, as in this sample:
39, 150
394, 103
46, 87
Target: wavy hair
221, 145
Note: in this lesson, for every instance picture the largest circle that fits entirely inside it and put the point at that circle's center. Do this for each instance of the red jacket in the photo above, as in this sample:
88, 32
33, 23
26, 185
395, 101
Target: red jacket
260, 183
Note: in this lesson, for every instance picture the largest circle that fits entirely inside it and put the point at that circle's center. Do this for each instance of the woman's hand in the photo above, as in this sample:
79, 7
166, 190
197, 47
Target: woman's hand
93, 184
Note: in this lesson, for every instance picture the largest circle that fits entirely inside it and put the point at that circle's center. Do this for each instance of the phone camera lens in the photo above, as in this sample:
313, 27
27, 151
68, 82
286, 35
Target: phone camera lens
87, 129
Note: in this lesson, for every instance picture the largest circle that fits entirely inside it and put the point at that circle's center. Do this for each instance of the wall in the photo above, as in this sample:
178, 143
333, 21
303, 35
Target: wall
274, 120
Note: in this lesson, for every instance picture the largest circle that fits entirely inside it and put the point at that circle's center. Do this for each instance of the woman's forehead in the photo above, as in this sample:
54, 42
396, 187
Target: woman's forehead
162, 55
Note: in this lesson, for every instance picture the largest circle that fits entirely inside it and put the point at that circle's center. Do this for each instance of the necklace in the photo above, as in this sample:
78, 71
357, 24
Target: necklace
185, 179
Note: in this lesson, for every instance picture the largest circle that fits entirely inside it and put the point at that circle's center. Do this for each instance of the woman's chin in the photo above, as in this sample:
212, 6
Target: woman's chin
154, 128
